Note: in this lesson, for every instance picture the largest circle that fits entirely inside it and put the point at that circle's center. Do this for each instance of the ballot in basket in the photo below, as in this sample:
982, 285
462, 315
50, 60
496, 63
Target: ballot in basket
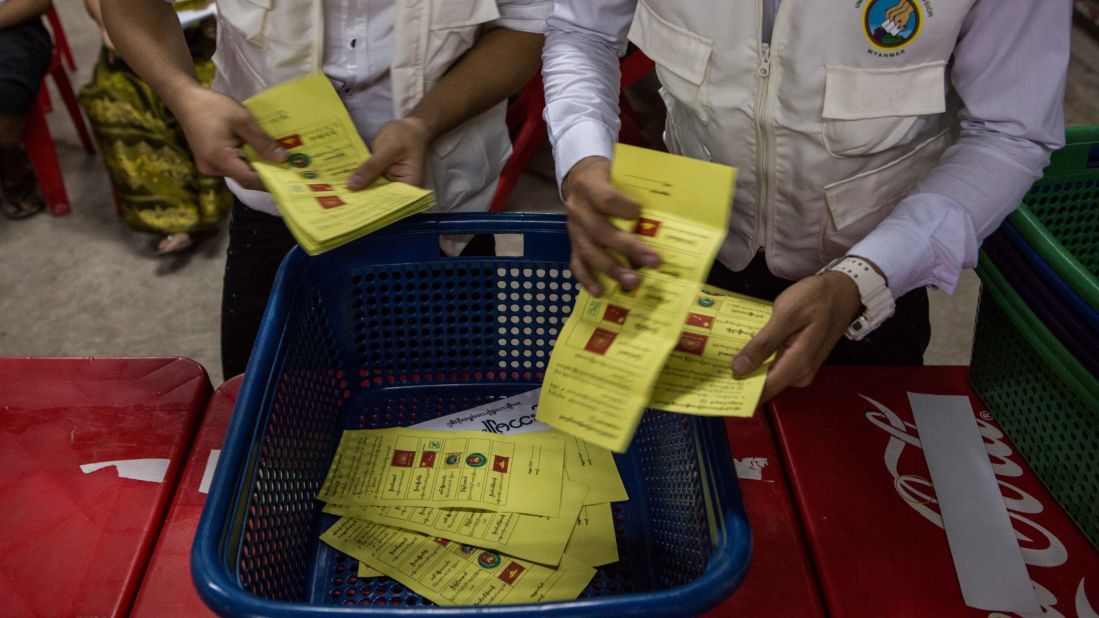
389, 332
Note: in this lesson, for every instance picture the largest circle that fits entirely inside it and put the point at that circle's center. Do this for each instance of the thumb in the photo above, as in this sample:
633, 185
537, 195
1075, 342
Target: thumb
249, 131
371, 169
759, 348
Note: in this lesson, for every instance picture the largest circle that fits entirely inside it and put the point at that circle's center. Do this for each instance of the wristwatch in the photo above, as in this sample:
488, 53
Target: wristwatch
877, 300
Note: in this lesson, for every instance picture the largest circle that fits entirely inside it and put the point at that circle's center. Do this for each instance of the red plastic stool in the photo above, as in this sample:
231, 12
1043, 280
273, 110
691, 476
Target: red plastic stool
526, 123
39, 143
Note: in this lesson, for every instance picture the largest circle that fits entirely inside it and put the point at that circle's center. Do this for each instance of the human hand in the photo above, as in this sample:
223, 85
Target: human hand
809, 317
899, 16
589, 199
398, 153
216, 127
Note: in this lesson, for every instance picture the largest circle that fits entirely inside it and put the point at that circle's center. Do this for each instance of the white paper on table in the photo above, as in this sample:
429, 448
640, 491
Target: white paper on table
982, 541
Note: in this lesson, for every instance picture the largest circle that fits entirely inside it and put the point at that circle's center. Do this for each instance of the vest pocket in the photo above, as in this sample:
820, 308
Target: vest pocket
872, 110
856, 205
246, 16
682, 58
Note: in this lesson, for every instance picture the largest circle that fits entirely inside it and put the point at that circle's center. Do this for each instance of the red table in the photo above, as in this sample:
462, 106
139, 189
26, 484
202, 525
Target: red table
90, 450
860, 480
167, 589
780, 578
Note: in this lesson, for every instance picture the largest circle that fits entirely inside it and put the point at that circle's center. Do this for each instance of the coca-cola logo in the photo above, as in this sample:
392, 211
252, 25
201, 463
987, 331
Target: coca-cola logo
1040, 547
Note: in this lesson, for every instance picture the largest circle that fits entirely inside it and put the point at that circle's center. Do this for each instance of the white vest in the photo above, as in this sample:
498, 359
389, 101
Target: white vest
830, 125
265, 42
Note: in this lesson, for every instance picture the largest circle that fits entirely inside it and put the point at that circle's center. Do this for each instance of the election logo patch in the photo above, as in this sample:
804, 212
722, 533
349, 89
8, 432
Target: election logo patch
476, 460
489, 560
891, 24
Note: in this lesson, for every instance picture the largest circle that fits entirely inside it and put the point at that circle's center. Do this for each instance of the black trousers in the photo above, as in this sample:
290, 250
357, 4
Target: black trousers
257, 244
901, 340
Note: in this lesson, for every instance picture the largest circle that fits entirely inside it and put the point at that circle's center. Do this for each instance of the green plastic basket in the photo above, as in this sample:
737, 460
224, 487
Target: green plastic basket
1060, 214
1042, 397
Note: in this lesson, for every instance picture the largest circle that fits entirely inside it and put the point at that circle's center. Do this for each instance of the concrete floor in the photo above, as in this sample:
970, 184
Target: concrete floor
83, 284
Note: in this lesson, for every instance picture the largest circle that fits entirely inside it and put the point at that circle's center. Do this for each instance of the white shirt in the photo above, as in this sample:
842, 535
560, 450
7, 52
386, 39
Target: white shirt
358, 51
1012, 119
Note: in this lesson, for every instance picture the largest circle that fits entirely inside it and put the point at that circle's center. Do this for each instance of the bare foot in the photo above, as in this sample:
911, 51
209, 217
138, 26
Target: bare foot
175, 243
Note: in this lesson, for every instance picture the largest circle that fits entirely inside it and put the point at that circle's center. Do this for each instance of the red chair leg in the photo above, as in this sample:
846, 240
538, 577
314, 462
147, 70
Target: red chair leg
531, 133
634, 66
64, 87
43, 159
59, 38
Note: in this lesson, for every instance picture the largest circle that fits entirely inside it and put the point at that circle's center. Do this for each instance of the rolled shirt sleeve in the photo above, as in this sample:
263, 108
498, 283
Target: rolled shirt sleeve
584, 40
523, 15
1009, 69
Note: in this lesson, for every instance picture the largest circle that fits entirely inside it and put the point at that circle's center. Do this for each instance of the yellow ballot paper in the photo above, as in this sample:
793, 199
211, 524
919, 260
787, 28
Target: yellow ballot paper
402, 466
365, 571
450, 573
611, 350
594, 467
698, 377
307, 118
593, 541
534, 538
585, 463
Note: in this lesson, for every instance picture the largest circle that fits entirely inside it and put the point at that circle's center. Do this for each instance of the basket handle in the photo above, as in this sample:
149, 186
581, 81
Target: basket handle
543, 235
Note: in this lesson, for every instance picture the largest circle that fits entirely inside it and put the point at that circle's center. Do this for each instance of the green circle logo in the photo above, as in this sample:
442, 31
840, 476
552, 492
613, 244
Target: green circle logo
299, 159
476, 460
451, 459
706, 302
489, 560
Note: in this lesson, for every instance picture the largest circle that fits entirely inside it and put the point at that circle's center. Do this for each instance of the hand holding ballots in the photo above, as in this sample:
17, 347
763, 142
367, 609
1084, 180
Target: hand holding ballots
308, 119
669, 343
475, 517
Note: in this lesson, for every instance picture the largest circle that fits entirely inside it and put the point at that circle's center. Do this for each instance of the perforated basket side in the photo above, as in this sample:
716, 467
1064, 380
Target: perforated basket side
386, 333
1060, 214
1056, 430
293, 457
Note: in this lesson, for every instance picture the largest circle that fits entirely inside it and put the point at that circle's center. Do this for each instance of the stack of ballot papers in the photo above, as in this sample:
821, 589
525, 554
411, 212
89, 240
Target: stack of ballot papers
669, 343
475, 517
308, 119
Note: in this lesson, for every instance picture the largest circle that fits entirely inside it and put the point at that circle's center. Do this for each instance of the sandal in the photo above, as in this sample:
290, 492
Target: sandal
175, 243
21, 199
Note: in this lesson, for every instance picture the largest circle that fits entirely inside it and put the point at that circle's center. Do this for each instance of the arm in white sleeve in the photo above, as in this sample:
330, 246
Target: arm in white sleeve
1009, 69
580, 69
523, 15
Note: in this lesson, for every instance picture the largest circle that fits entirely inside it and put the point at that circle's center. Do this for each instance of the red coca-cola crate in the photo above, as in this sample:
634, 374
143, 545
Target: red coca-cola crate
862, 488
90, 450
780, 578
167, 589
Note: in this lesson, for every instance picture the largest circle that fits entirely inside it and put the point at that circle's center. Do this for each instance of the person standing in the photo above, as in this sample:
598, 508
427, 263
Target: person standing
425, 81
156, 182
25, 52
878, 142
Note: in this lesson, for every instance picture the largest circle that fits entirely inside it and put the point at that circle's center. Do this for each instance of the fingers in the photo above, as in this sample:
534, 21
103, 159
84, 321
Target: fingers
233, 166
592, 199
588, 259
250, 132
766, 342
371, 169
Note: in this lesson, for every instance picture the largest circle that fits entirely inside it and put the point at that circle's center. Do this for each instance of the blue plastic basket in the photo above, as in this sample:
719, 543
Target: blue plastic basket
1073, 332
385, 332
1045, 271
